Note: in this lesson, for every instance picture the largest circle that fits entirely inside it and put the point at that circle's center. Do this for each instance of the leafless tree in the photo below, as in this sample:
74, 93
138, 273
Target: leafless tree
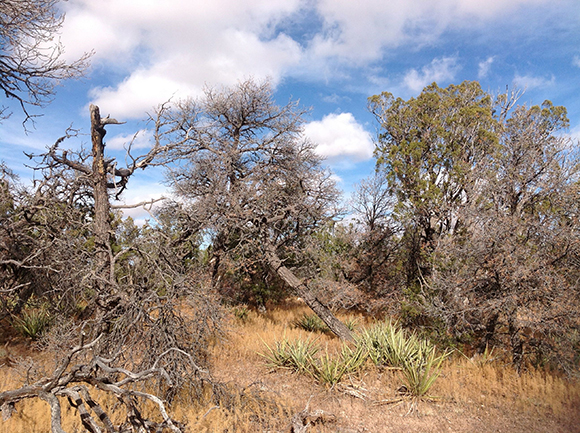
252, 182
373, 204
31, 62
124, 296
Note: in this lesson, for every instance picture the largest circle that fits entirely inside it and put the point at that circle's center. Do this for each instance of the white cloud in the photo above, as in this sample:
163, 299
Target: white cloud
531, 82
443, 69
334, 99
484, 67
359, 31
340, 137
142, 188
576, 61
574, 134
175, 47
141, 140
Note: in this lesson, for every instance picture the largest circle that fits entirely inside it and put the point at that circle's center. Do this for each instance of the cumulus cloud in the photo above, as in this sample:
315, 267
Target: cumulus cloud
484, 67
532, 82
359, 31
439, 70
141, 140
340, 137
174, 47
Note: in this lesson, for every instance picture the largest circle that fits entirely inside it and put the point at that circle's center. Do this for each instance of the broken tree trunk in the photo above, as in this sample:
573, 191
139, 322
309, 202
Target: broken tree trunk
102, 221
301, 290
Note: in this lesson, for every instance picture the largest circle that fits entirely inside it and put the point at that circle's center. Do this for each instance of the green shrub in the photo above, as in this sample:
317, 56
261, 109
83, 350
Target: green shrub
311, 323
32, 323
295, 355
241, 312
385, 343
419, 373
389, 345
329, 369
351, 323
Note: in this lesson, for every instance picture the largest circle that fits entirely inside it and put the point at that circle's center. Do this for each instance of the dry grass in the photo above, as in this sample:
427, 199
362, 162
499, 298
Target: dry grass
474, 395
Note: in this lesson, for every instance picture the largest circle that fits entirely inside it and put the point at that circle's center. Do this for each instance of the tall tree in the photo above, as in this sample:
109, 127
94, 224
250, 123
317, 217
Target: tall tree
252, 182
427, 148
373, 203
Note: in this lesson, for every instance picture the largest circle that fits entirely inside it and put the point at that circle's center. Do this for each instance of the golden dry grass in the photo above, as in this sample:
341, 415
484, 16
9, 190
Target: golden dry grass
473, 395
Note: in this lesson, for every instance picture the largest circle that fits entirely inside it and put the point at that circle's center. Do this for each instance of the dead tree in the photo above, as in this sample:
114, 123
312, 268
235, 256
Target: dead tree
252, 182
125, 296
78, 381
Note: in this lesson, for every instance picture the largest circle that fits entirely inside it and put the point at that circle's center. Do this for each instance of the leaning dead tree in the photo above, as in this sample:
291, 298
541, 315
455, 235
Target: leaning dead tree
252, 182
117, 293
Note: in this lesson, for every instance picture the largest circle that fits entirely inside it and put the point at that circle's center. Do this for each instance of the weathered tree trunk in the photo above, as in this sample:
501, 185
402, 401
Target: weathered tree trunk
300, 289
107, 296
102, 218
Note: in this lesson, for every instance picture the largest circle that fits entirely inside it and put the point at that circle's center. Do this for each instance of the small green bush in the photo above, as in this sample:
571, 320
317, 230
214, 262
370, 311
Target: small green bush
351, 323
295, 355
32, 323
389, 345
241, 312
311, 323
385, 343
329, 369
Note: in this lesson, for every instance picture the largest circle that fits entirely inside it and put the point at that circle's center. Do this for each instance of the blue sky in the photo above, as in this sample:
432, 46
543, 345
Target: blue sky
329, 54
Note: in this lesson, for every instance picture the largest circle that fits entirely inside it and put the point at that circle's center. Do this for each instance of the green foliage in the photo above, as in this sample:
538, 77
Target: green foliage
427, 144
311, 323
329, 369
421, 370
32, 323
241, 312
390, 346
351, 323
385, 343
296, 355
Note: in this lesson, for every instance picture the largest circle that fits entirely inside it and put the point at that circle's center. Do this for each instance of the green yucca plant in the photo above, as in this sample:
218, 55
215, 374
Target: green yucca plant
420, 373
295, 355
311, 323
351, 323
389, 345
386, 343
328, 369
32, 323
355, 358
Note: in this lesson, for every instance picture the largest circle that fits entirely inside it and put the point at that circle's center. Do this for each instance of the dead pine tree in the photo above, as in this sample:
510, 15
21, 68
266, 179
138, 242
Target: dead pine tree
131, 330
252, 182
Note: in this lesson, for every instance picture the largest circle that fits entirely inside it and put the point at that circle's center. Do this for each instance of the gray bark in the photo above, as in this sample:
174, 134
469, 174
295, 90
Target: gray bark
301, 290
